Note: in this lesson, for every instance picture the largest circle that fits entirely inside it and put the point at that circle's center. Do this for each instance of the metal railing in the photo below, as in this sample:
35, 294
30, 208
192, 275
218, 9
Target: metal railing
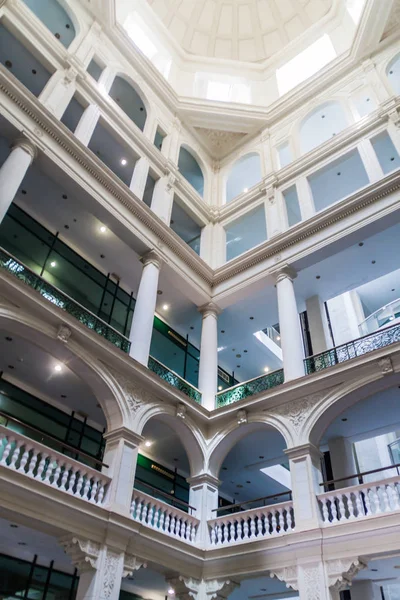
379, 318
242, 506
363, 345
168, 498
358, 476
174, 379
249, 388
98, 464
10, 264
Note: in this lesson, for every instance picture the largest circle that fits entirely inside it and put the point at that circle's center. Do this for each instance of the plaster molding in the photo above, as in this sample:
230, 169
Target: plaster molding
204, 479
298, 411
132, 564
189, 588
386, 365
152, 257
285, 272
209, 309
241, 417
181, 411
64, 333
110, 571
84, 553
123, 433
135, 395
299, 452
341, 571
27, 145
287, 575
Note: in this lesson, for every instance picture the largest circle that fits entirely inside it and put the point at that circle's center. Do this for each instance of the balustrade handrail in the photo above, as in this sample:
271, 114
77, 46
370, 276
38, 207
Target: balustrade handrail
60, 442
358, 487
246, 382
163, 504
367, 335
358, 475
164, 494
229, 506
195, 392
174, 373
244, 513
377, 311
26, 441
12, 257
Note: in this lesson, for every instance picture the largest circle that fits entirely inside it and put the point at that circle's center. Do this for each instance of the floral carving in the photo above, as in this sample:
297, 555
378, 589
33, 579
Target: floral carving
64, 333
110, 573
288, 575
297, 411
341, 571
135, 395
312, 583
219, 142
131, 564
83, 553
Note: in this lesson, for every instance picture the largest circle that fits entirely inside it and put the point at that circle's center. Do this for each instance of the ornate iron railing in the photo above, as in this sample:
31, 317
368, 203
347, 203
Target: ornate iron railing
54, 295
363, 345
173, 379
249, 388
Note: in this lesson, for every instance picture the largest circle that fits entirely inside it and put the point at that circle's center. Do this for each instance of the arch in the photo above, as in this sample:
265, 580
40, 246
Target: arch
104, 387
321, 124
130, 99
244, 174
189, 166
57, 18
341, 399
393, 73
225, 440
191, 438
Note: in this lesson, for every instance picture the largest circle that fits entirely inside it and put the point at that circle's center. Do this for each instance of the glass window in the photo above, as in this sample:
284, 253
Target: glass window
245, 233
94, 69
292, 205
386, 152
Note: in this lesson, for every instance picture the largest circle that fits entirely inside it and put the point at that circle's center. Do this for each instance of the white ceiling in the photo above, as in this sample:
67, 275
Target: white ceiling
244, 30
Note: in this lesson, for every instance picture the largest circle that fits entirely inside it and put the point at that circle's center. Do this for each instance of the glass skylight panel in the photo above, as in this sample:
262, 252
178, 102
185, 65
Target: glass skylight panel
305, 64
139, 37
217, 90
279, 474
355, 9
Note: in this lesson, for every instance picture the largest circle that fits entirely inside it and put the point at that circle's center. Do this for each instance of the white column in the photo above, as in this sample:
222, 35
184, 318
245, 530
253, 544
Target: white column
121, 457
203, 496
206, 243
312, 582
305, 472
163, 197
272, 212
318, 324
306, 200
171, 144
346, 313
143, 317
59, 91
208, 367
343, 461
139, 177
370, 161
13, 172
87, 124
365, 590
103, 582
289, 324
394, 129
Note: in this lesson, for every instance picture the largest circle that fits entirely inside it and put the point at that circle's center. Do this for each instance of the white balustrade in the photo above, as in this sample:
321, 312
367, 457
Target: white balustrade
30, 458
360, 501
254, 524
162, 517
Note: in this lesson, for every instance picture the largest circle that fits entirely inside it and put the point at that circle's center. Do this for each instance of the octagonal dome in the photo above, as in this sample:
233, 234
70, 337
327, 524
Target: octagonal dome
245, 30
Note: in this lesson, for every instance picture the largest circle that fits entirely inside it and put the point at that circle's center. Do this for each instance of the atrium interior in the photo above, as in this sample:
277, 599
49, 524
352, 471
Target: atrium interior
200, 299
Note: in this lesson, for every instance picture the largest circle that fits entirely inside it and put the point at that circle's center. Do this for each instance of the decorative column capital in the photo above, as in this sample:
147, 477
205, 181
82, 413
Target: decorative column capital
84, 554
26, 145
287, 575
286, 272
123, 433
209, 309
303, 450
188, 588
132, 564
341, 571
204, 479
152, 257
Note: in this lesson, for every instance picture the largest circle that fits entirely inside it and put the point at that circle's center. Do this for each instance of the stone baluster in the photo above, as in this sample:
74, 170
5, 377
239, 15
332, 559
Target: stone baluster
15, 455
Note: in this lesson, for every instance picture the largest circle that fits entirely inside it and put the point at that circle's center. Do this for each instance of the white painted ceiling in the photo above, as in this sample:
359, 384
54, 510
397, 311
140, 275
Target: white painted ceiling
244, 30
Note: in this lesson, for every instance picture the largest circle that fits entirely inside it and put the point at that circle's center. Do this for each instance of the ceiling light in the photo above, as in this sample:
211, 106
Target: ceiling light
148, 443
53, 263
103, 229
171, 591
266, 369
58, 368
219, 388
124, 162
165, 306
278, 337
246, 190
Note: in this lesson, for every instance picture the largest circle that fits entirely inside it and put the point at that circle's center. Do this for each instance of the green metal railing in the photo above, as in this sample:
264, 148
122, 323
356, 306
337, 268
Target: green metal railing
249, 388
55, 296
173, 379
358, 347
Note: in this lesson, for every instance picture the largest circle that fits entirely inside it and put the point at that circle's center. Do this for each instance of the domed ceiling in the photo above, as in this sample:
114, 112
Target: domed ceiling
245, 30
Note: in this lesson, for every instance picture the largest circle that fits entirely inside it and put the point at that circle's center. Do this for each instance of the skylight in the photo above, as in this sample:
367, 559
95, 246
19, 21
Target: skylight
279, 474
355, 8
305, 64
139, 37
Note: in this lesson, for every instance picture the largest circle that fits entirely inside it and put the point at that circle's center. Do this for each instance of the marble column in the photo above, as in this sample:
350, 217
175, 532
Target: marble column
305, 472
139, 177
208, 367
203, 496
13, 172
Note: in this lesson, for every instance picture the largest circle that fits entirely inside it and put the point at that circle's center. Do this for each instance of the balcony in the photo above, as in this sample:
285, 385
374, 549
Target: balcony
386, 315
249, 388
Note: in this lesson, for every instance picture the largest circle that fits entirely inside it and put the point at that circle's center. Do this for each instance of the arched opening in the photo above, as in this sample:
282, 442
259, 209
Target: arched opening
191, 170
322, 124
359, 437
245, 173
125, 95
56, 19
393, 73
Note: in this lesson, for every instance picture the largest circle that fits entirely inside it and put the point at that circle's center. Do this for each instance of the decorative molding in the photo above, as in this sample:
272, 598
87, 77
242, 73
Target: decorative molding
188, 588
241, 416
152, 257
84, 554
181, 410
219, 143
135, 395
312, 583
386, 365
132, 564
209, 309
111, 563
297, 411
341, 571
27, 145
288, 575
64, 333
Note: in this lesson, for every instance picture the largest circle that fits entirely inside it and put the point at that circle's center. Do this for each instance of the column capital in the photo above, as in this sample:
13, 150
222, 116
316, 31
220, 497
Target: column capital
209, 309
123, 433
152, 257
204, 479
303, 450
285, 272
26, 145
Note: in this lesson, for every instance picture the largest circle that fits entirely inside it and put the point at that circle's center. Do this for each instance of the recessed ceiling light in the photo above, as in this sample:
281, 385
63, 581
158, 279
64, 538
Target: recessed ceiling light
219, 388
53, 263
159, 292
266, 369
103, 229
246, 190
393, 289
373, 262
278, 337
165, 306
148, 443
13, 526
251, 318
318, 277
374, 570
344, 420
8, 338
171, 591
261, 457
361, 244
58, 368
21, 543
124, 162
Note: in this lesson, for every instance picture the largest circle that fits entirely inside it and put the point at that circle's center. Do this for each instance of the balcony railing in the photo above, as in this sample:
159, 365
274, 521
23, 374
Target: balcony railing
255, 524
160, 495
60, 299
41, 463
249, 388
368, 343
162, 517
231, 509
173, 379
381, 317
